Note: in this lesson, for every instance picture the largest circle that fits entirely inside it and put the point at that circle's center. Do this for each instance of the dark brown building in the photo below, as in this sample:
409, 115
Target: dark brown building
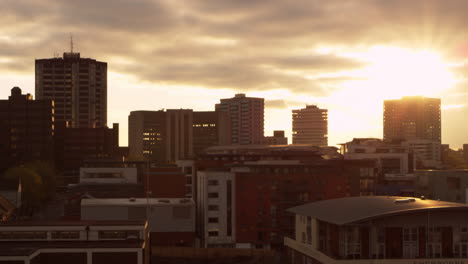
412, 117
78, 87
26, 129
75, 145
210, 128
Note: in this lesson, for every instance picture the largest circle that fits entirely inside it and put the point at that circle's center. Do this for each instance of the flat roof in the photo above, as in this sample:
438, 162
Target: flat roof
136, 201
355, 209
27, 248
75, 223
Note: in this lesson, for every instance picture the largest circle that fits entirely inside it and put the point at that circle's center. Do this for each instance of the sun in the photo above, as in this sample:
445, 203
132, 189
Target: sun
395, 72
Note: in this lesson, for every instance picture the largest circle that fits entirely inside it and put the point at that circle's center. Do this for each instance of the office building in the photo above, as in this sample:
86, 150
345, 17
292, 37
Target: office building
378, 230
412, 117
26, 129
175, 134
210, 128
246, 115
78, 87
162, 136
310, 126
75, 145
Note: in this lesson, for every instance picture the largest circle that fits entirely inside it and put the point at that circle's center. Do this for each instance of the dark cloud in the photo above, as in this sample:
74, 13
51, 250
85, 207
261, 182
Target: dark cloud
265, 44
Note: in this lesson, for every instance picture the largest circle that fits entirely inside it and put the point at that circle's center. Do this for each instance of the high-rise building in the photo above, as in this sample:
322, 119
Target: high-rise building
26, 129
78, 87
210, 128
246, 114
163, 136
310, 126
412, 117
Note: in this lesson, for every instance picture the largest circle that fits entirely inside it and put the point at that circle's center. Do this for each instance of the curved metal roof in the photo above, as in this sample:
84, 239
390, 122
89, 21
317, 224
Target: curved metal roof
354, 209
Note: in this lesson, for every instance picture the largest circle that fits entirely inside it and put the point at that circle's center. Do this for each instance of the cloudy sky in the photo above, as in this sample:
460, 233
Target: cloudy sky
346, 56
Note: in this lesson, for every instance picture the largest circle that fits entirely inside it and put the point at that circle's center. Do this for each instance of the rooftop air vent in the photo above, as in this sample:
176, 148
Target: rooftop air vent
132, 199
406, 200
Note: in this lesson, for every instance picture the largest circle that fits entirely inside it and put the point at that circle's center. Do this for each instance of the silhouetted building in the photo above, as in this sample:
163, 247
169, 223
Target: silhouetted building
78, 87
210, 128
163, 136
310, 126
278, 138
412, 117
162, 181
246, 114
75, 145
377, 230
26, 129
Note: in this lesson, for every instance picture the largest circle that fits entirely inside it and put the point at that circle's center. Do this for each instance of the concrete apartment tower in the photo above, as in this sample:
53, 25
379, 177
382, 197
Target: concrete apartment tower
310, 126
412, 117
78, 87
246, 114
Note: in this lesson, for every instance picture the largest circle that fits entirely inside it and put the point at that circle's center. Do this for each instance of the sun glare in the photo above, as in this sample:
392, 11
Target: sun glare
397, 72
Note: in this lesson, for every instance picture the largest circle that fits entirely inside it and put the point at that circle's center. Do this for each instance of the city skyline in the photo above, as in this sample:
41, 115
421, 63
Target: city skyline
215, 50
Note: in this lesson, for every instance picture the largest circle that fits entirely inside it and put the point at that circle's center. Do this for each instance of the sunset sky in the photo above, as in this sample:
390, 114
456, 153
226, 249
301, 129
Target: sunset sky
346, 56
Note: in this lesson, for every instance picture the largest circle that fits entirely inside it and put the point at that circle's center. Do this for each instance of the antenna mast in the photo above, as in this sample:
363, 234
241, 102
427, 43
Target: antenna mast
71, 43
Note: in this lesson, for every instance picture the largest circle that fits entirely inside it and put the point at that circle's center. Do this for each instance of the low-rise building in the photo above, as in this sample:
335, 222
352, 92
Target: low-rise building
445, 185
83, 242
379, 229
108, 175
171, 221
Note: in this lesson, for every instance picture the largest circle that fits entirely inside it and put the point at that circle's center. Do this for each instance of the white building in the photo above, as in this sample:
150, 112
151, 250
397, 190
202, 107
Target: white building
390, 158
216, 208
427, 152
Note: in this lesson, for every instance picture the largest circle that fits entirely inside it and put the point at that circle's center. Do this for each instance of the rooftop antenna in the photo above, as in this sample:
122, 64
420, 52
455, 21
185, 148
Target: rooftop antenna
71, 43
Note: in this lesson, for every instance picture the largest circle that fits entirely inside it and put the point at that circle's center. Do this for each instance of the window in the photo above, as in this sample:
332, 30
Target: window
213, 195
410, 242
213, 220
213, 233
212, 183
65, 235
118, 234
213, 207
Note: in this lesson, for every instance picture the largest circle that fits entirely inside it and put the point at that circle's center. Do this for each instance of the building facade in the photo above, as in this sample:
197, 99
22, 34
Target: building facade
412, 117
247, 118
310, 126
210, 128
163, 136
379, 229
78, 87
278, 138
26, 129
80, 242
75, 145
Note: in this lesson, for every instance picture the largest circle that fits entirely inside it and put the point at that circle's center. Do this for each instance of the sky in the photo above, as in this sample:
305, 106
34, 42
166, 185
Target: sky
345, 56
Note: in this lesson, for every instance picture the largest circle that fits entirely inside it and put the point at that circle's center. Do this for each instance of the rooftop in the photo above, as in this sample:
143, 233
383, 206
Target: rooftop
136, 201
76, 223
355, 209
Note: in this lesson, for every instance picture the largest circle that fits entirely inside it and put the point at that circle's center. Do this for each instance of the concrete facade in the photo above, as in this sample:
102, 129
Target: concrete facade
78, 87
310, 126
247, 118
